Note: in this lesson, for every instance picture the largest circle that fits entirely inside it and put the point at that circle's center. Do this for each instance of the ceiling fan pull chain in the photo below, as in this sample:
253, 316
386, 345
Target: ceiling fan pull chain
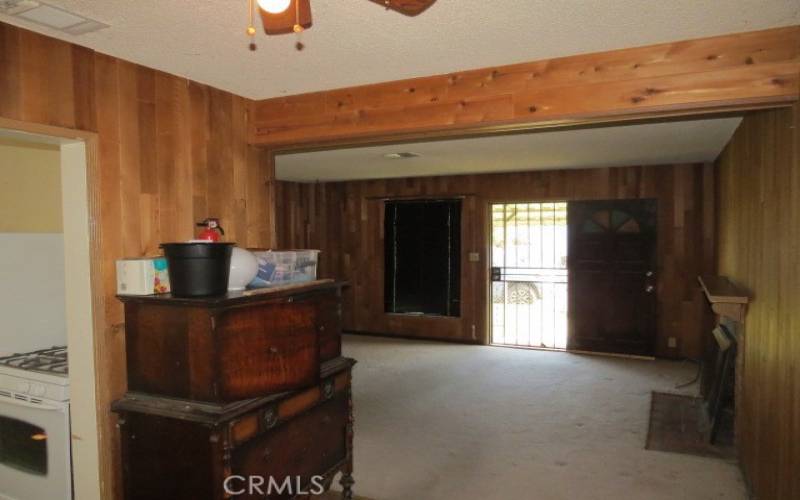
298, 28
251, 30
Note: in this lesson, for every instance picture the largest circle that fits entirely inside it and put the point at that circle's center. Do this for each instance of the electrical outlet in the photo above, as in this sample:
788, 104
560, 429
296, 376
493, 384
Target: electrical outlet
672, 342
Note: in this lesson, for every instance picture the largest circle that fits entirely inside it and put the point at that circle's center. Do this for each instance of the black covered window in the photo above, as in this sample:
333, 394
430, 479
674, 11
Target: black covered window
423, 250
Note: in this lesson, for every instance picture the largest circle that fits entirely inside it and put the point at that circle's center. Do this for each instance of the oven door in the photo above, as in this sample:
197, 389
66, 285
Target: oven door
34, 450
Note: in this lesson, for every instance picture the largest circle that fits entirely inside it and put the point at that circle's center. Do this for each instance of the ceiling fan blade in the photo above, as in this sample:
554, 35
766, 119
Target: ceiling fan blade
407, 7
279, 24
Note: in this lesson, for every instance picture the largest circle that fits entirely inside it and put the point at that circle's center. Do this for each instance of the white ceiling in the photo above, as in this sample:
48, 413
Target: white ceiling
611, 146
356, 42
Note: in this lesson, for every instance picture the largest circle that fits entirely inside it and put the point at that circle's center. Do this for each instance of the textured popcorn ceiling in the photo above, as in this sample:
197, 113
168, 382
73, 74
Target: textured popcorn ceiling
356, 42
672, 142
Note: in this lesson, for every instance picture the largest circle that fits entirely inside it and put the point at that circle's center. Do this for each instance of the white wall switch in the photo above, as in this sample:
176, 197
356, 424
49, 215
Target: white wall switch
672, 342
474, 257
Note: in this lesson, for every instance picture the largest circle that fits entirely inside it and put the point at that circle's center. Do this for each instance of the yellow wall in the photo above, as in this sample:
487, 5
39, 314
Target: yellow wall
30, 188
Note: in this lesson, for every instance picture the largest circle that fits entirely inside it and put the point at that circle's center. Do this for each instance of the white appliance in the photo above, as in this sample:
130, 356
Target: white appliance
34, 426
244, 268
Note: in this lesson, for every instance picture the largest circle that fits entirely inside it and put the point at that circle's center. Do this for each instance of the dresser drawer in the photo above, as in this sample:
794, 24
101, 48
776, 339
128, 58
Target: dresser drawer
310, 444
223, 354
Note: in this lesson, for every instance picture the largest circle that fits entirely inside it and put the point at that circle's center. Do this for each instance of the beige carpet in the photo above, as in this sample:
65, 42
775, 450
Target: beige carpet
438, 421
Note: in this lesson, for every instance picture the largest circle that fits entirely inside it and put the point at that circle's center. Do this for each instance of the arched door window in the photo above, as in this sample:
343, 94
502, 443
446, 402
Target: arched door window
610, 221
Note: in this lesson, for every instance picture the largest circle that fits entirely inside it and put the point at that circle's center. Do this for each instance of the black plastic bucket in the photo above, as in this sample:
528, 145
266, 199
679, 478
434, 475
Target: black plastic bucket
198, 269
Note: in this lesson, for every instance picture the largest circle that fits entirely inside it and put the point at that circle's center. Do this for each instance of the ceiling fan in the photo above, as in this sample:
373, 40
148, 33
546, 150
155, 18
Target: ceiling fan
294, 16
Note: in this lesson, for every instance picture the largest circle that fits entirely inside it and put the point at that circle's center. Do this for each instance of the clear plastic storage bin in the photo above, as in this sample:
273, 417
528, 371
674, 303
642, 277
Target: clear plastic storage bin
279, 267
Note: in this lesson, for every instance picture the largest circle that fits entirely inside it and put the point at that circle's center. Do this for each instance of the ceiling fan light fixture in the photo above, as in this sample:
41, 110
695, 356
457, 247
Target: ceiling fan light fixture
294, 16
274, 6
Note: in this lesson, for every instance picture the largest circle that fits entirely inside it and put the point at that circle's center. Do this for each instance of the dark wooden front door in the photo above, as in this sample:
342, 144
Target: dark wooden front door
612, 276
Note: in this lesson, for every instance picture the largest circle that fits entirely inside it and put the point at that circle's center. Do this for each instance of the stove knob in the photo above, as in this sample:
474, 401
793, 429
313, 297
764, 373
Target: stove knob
23, 387
38, 390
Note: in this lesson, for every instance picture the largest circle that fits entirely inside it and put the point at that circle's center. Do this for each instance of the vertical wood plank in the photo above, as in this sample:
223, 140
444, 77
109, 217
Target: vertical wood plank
10, 71
113, 358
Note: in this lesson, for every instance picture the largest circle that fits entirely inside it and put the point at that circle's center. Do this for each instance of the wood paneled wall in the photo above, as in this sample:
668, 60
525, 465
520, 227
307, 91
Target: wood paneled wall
171, 152
345, 220
759, 248
731, 71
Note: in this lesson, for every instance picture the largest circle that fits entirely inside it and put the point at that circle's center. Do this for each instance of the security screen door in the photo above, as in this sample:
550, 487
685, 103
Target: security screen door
529, 274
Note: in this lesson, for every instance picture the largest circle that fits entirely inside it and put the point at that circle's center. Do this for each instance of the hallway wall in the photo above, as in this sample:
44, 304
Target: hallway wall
759, 248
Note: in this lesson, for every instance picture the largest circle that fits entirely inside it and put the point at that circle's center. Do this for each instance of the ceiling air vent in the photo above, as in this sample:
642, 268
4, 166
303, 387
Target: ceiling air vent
50, 17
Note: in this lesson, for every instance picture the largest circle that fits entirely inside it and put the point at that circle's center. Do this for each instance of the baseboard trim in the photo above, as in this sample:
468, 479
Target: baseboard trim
412, 337
611, 354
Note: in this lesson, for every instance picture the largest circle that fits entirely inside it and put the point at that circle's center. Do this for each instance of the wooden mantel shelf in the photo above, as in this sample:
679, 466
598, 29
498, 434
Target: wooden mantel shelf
725, 297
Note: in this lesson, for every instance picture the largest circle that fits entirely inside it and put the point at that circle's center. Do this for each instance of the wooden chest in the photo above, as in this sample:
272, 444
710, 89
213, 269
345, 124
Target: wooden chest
180, 449
241, 345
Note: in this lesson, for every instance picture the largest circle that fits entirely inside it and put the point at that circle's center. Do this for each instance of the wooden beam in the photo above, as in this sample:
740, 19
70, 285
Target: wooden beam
724, 73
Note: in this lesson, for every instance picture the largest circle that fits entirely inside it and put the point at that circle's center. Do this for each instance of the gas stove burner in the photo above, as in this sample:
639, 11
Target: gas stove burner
53, 361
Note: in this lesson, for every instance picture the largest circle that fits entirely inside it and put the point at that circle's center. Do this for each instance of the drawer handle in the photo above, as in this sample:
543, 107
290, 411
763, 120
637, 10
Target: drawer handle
270, 417
273, 350
327, 389
322, 328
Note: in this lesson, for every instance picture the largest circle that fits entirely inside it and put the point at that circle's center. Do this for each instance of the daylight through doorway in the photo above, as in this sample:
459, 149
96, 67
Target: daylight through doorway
529, 275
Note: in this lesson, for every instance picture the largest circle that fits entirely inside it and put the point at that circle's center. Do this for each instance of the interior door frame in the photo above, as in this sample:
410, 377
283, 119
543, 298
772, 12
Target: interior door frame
462, 328
94, 465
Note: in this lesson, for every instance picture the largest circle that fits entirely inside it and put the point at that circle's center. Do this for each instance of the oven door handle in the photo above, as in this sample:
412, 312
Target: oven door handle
35, 406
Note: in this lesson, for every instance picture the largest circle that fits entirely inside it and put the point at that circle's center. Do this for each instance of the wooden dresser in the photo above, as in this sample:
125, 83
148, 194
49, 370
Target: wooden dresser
246, 388
232, 347
185, 450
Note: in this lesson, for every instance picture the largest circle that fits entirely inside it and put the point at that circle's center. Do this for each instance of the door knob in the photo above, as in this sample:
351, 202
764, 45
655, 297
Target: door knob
649, 288
649, 274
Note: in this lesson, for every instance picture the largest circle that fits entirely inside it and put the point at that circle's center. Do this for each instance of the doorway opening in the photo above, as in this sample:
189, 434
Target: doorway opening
69, 418
529, 275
